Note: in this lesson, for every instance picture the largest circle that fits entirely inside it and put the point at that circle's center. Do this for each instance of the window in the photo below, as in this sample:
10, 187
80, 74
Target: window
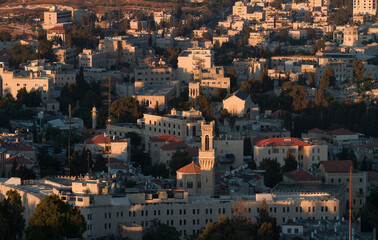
106, 215
296, 230
190, 184
289, 230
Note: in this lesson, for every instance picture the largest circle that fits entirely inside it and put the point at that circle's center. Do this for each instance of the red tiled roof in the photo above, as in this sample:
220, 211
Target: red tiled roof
191, 168
18, 160
257, 139
20, 147
277, 114
58, 28
98, 139
341, 131
281, 142
182, 146
301, 175
316, 130
165, 138
341, 166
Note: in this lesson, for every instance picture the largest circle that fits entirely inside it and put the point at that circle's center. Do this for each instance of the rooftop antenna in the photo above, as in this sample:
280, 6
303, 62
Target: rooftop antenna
69, 140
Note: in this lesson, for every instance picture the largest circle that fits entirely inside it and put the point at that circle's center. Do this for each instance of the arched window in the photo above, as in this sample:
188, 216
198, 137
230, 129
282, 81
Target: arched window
207, 143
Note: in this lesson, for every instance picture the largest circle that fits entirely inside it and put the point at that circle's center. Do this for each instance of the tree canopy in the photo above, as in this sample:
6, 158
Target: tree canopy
158, 230
290, 162
12, 222
328, 79
55, 219
126, 109
272, 173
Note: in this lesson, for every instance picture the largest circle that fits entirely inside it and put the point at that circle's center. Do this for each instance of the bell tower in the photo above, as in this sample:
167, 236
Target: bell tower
206, 158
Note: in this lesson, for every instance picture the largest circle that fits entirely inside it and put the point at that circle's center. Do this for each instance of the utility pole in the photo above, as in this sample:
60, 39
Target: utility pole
69, 140
350, 203
109, 101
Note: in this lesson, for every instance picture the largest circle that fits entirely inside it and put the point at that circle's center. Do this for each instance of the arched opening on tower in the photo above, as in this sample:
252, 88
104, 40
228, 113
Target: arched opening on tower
207, 143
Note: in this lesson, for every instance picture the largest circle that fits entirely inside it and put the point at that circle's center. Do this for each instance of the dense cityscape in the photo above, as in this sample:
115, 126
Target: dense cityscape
194, 119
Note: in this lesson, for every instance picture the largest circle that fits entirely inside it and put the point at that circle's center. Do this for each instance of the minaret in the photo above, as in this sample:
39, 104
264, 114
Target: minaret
206, 158
94, 117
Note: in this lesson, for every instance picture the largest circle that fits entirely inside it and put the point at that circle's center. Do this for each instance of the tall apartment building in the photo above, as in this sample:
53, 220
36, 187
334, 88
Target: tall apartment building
305, 154
210, 80
65, 55
338, 173
185, 125
122, 49
12, 82
56, 17
154, 73
365, 7
92, 59
192, 59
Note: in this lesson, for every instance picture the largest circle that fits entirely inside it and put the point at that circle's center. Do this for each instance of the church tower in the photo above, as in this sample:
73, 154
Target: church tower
206, 158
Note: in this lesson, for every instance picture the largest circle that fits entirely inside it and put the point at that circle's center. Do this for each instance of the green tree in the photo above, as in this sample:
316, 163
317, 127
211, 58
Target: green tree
369, 213
22, 172
299, 95
80, 161
158, 230
358, 70
348, 154
307, 17
219, 95
99, 163
247, 148
5, 36
290, 162
229, 228
45, 50
268, 228
48, 164
126, 109
277, 4
12, 222
205, 106
55, 219
272, 174
311, 80
252, 164
178, 160
328, 79
32, 99
21, 54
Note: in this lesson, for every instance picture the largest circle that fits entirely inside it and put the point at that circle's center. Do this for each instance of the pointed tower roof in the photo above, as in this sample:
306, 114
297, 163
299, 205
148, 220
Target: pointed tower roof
191, 168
